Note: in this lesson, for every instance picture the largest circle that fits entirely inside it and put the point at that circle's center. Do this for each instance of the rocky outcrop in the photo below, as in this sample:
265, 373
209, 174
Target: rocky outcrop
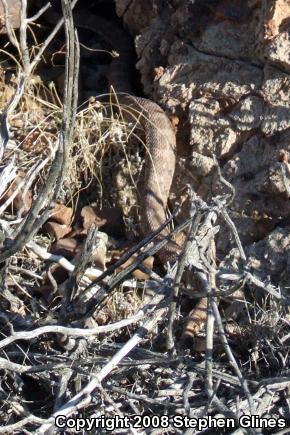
221, 68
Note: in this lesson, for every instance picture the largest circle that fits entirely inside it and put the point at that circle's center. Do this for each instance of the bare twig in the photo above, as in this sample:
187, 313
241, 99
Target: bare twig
10, 428
76, 332
53, 183
180, 269
84, 396
71, 286
231, 357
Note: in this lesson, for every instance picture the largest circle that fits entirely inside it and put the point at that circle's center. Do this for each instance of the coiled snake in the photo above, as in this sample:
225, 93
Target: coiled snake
160, 138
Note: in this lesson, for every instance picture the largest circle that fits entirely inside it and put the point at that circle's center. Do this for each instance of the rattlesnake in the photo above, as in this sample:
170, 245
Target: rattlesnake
160, 137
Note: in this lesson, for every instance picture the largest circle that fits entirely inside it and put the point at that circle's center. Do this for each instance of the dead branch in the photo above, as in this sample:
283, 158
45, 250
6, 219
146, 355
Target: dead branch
53, 183
76, 332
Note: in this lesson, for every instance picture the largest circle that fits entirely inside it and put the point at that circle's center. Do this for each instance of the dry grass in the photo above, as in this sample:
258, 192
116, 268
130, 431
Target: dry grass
149, 379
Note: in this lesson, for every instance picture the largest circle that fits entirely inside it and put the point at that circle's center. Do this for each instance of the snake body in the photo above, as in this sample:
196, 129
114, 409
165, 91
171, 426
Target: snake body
160, 137
160, 157
160, 141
